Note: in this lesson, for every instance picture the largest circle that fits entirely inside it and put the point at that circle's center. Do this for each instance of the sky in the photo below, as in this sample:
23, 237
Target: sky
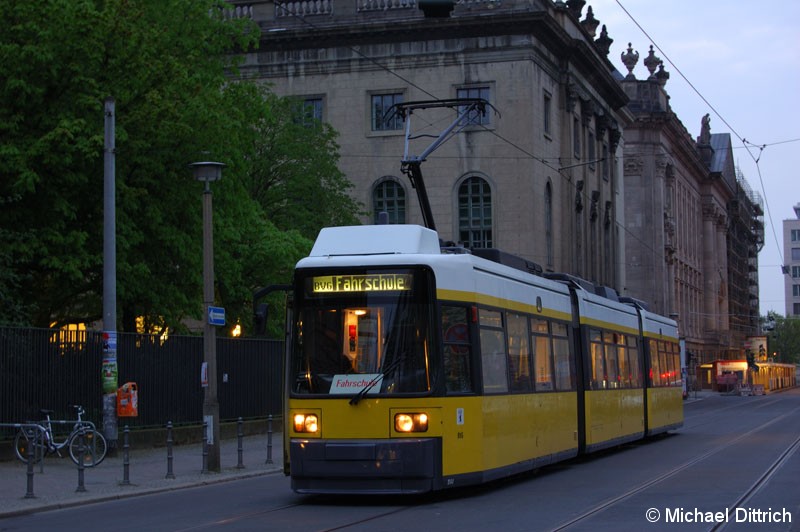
739, 61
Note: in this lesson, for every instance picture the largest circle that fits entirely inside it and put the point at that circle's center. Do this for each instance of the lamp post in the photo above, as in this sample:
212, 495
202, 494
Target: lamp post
208, 172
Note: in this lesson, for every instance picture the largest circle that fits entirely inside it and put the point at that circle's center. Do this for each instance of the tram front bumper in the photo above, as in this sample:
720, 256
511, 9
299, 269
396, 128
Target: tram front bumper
407, 465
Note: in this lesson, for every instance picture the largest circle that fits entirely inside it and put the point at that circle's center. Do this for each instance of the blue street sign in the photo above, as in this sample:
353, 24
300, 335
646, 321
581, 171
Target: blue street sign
216, 316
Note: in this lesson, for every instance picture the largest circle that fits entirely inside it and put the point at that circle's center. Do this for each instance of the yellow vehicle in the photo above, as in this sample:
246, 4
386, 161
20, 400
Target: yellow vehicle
414, 367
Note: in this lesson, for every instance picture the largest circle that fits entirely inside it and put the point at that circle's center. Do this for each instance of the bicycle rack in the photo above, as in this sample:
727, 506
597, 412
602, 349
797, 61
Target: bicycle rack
37, 449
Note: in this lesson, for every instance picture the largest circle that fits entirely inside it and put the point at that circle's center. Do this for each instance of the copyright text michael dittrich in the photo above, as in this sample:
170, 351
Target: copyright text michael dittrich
729, 515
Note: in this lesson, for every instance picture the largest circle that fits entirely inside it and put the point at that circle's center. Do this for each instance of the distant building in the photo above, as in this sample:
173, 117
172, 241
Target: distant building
791, 263
693, 227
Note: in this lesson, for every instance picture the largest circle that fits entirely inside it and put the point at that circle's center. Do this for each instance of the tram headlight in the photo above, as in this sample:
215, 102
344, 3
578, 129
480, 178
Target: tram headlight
411, 422
306, 423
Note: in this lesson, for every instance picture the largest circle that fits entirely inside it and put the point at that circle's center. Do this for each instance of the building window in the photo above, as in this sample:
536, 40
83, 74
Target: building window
590, 147
379, 107
576, 137
796, 309
795, 235
475, 213
309, 111
795, 272
546, 113
796, 290
605, 163
795, 254
548, 222
476, 117
389, 196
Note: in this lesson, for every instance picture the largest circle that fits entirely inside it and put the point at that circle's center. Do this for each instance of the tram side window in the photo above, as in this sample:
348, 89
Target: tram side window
493, 351
455, 333
612, 373
676, 361
519, 364
665, 362
543, 366
633, 362
624, 364
672, 357
598, 378
655, 366
565, 370
493, 361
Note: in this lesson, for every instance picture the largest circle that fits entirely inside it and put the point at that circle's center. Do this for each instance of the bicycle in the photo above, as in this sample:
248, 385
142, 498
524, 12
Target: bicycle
83, 441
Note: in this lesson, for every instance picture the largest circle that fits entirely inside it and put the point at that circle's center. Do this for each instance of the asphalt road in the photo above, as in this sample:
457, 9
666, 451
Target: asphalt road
735, 458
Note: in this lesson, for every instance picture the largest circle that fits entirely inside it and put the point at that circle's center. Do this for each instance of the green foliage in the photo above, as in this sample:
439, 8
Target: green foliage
165, 64
784, 339
293, 175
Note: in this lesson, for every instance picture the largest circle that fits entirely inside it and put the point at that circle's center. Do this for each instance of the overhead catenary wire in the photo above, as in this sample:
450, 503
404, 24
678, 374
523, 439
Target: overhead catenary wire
719, 115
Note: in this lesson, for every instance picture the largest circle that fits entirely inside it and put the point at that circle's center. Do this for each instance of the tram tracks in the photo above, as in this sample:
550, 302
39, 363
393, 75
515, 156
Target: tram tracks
248, 516
643, 487
761, 481
240, 517
388, 509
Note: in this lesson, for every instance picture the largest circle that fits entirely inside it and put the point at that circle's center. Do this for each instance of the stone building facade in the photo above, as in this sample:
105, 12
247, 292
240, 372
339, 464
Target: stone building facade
580, 169
693, 226
539, 177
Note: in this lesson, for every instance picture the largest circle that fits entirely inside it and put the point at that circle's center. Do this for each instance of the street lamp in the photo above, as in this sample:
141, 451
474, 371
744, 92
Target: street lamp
208, 172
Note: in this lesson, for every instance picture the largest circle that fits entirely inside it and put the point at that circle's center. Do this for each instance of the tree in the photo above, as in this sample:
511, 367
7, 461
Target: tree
784, 338
294, 178
168, 66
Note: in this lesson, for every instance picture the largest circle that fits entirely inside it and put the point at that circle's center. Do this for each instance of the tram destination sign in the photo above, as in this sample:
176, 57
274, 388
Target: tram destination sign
377, 282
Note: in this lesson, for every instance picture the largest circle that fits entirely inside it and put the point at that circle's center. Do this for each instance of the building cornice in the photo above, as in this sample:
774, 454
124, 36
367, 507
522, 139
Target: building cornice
540, 25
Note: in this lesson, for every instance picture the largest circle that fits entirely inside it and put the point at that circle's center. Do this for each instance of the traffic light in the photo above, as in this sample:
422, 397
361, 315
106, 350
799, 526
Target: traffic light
260, 319
762, 353
436, 8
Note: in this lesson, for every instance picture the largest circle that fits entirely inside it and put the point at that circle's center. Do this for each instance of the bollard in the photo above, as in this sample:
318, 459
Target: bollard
205, 447
126, 463
239, 436
170, 474
82, 456
29, 494
269, 439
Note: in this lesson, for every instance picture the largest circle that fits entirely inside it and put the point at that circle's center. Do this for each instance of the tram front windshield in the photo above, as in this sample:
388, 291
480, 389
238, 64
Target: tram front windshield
362, 333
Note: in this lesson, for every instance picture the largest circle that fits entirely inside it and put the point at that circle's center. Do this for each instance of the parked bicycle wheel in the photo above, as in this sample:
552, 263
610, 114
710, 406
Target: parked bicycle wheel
28, 439
94, 447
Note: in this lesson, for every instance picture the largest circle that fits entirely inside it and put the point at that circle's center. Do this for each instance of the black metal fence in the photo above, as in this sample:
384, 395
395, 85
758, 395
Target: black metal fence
47, 368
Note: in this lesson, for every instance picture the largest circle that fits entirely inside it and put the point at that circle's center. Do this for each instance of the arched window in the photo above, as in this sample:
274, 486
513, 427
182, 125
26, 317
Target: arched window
475, 213
548, 222
389, 196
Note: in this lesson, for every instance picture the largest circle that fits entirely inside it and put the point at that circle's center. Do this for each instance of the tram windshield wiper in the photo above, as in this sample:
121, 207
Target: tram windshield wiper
365, 390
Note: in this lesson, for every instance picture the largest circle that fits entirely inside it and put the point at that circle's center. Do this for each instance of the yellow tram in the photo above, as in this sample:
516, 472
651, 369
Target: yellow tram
414, 367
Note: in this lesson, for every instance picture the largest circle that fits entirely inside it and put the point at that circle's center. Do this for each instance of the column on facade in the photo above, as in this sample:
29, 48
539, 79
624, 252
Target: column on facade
710, 272
721, 245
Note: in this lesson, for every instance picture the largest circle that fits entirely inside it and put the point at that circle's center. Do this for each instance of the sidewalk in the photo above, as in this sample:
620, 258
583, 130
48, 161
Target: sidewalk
699, 395
55, 486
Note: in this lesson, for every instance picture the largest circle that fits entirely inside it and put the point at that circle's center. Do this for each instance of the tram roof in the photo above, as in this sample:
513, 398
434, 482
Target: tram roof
402, 244
375, 240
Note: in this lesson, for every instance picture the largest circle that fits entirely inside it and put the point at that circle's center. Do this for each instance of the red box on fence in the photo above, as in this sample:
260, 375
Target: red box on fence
128, 400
